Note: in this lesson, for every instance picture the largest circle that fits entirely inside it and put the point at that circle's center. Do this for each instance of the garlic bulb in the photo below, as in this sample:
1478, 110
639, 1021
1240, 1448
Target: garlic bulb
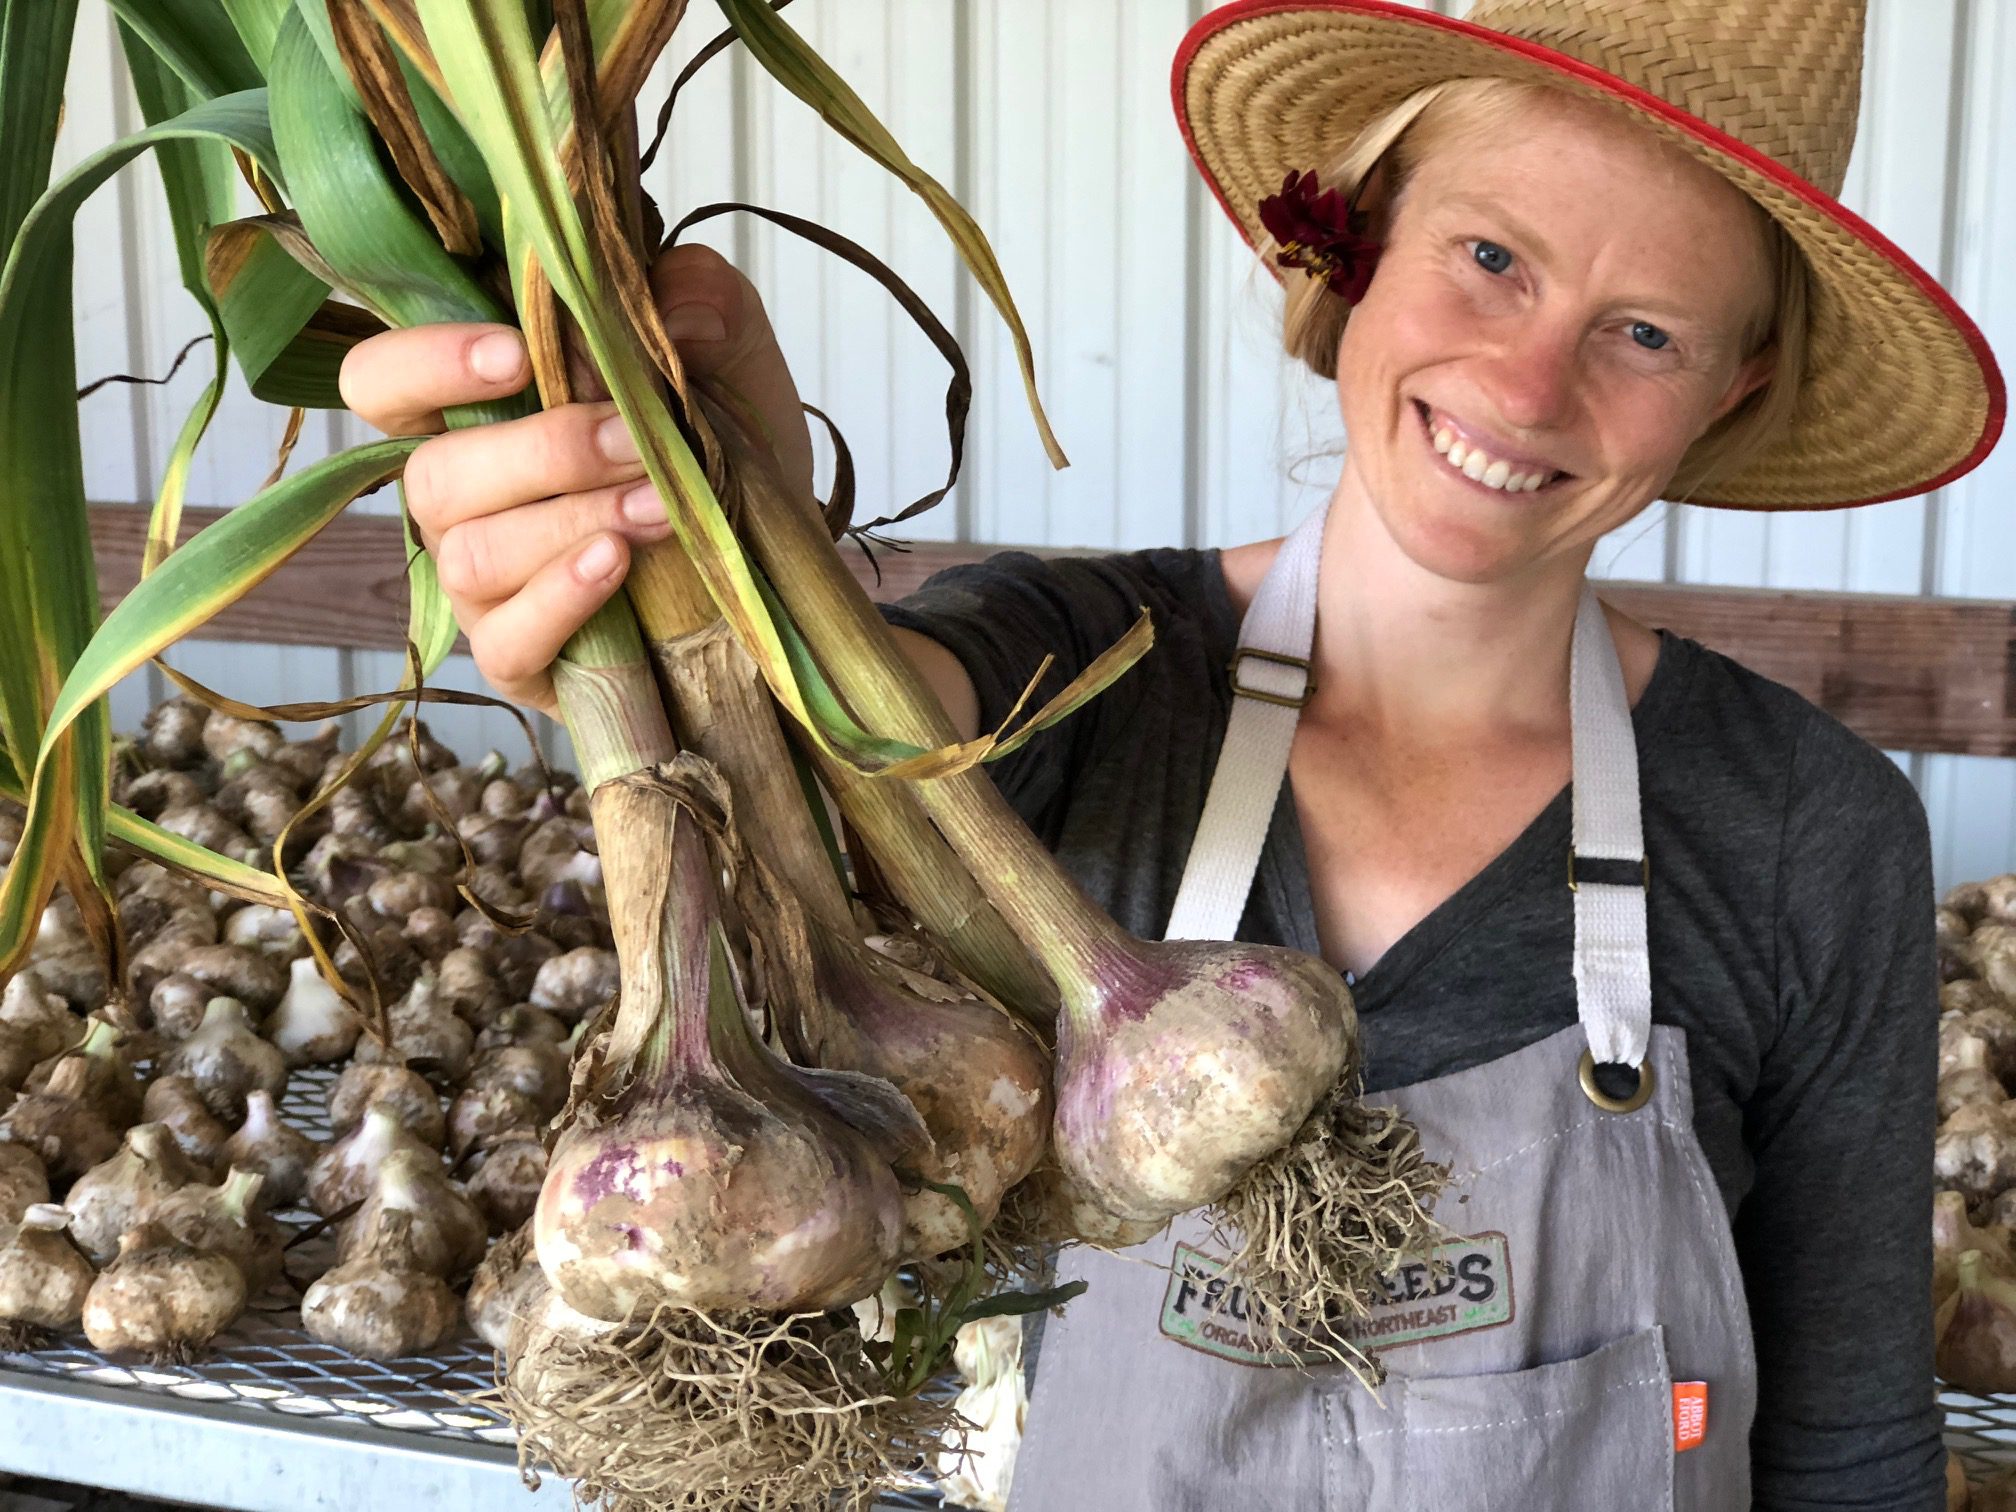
260, 926
447, 1234
112, 1197
406, 1092
497, 1292
487, 1113
275, 1149
174, 1101
162, 1298
575, 984
23, 1182
347, 1171
313, 1026
425, 1036
250, 977
226, 1060
227, 1221
34, 1025
62, 1124
43, 1276
1975, 1151
505, 1187
1975, 1328
381, 1303
176, 1005
1970, 1080
114, 1085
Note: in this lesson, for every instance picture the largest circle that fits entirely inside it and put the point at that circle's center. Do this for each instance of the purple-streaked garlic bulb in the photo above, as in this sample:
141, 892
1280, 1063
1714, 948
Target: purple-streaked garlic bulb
705, 1174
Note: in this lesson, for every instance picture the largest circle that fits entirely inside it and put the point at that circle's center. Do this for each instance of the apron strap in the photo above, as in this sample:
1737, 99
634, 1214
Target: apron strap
1607, 869
1606, 864
1270, 683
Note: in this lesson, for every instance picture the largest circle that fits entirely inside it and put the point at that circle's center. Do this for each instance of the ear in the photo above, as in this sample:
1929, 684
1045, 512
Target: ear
1750, 377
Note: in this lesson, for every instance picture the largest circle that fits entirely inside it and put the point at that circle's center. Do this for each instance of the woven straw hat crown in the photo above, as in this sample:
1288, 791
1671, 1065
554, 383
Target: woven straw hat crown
1786, 79
1899, 393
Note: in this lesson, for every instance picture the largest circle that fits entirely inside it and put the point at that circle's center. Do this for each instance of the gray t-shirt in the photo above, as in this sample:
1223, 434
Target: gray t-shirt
1791, 938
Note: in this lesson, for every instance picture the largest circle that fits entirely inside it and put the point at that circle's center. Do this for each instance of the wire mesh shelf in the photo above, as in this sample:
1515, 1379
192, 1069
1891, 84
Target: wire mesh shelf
1980, 1430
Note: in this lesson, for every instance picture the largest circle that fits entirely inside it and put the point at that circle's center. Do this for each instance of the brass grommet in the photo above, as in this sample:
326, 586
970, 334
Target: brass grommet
1602, 1099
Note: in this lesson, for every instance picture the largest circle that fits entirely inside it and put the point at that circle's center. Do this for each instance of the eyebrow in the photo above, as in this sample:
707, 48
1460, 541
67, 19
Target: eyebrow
1672, 309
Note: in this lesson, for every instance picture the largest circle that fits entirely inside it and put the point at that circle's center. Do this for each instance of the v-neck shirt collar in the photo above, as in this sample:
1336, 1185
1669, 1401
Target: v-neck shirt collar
1541, 849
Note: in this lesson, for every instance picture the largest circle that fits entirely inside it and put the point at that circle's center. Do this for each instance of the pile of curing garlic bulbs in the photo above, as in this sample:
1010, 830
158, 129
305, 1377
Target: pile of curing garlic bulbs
1974, 1159
151, 1182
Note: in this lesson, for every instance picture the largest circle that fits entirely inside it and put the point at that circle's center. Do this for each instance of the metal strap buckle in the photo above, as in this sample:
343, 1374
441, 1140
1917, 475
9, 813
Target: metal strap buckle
1645, 870
1280, 660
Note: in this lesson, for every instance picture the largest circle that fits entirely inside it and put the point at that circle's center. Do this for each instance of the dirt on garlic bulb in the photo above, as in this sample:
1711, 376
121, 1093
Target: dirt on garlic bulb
161, 1298
381, 1302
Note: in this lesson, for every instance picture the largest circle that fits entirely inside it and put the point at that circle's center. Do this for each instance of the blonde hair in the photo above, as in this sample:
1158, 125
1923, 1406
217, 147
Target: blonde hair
1314, 318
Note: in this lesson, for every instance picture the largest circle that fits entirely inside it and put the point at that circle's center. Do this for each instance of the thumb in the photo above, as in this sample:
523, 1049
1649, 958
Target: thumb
716, 318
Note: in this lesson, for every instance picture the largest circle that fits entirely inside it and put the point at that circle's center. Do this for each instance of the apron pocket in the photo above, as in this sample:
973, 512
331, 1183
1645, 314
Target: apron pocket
1585, 1435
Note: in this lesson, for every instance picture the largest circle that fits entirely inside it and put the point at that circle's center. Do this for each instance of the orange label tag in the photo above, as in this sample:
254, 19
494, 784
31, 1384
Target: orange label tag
1690, 1414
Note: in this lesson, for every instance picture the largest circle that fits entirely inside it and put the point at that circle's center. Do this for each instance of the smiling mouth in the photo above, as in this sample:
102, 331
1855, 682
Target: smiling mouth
1442, 459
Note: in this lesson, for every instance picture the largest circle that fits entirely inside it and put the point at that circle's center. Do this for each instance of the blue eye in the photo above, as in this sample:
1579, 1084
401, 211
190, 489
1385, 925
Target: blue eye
1484, 247
1638, 326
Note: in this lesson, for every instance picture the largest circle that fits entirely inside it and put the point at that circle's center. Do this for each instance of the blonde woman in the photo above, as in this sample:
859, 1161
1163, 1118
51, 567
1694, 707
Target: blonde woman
1672, 1022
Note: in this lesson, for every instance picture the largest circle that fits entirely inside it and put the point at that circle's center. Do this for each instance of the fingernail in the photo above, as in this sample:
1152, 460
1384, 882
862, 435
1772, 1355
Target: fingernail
597, 561
642, 507
695, 322
497, 357
613, 437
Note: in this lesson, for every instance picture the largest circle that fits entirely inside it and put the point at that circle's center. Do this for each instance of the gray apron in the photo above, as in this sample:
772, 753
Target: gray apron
1595, 1271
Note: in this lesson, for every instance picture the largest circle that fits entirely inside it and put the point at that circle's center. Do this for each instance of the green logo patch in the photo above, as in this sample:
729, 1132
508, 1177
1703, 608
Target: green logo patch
1467, 1286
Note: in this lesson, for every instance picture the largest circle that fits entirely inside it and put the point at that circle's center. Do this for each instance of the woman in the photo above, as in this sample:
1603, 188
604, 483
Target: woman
1593, 260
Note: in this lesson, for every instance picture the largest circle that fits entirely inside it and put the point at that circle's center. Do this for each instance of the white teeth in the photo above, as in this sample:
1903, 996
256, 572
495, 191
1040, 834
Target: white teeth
1484, 468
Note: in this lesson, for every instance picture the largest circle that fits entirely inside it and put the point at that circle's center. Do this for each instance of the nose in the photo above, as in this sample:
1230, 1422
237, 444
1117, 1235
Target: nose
1532, 374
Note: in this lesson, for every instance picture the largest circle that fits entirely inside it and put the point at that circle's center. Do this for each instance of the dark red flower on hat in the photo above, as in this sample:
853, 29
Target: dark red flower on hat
1321, 233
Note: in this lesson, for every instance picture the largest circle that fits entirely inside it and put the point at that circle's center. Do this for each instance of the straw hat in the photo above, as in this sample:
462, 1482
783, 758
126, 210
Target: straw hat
1901, 393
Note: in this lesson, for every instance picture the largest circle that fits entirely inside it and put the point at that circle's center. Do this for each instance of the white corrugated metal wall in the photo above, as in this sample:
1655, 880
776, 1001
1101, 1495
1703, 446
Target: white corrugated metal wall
1050, 120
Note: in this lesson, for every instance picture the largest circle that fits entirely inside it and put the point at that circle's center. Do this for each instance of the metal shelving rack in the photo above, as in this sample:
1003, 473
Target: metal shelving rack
270, 1420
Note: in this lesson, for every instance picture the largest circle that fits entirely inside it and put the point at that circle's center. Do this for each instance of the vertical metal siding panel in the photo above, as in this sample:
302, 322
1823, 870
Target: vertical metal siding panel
1152, 175
1906, 94
854, 353
1017, 138
1972, 800
923, 106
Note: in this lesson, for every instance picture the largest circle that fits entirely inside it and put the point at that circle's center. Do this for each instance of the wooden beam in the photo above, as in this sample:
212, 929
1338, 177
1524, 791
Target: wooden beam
1905, 673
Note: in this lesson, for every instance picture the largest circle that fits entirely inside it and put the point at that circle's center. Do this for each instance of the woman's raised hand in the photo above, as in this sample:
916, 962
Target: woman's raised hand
530, 522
